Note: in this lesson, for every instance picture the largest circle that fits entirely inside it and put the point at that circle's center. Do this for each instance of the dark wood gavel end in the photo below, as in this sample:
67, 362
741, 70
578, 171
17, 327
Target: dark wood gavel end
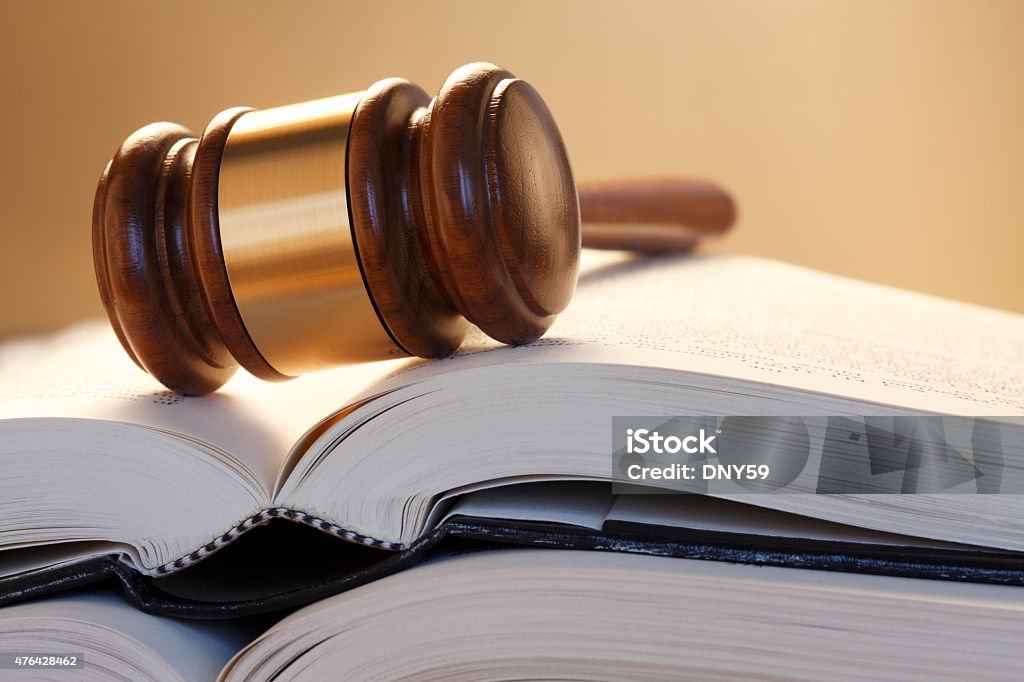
360, 227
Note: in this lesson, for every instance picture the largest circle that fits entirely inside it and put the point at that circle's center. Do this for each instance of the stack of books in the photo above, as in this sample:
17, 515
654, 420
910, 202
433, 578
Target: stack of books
477, 518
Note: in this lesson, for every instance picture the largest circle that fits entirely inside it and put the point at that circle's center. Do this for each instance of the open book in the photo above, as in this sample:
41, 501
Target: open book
542, 614
313, 486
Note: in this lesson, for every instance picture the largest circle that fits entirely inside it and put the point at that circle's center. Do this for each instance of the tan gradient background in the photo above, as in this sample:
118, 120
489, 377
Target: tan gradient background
878, 139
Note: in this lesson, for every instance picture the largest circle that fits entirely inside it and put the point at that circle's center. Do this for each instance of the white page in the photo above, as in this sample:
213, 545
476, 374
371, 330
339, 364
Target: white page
623, 616
742, 331
196, 649
770, 322
86, 374
573, 503
27, 559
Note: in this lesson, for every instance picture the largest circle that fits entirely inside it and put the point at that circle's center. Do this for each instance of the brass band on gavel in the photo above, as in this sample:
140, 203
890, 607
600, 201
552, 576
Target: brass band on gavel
287, 243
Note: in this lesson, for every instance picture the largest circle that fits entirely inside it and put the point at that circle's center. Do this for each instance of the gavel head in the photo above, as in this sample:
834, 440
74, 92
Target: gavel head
360, 227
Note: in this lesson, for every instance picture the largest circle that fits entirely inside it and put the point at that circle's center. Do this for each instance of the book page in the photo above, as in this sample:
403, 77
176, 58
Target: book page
585, 504
552, 614
697, 335
758, 320
84, 373
195, 650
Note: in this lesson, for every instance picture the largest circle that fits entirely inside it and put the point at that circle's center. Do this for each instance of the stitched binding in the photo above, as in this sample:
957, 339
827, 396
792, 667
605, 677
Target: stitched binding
263, 518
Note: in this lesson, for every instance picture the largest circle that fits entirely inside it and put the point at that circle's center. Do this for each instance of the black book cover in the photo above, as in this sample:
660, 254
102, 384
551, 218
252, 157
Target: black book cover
285, 564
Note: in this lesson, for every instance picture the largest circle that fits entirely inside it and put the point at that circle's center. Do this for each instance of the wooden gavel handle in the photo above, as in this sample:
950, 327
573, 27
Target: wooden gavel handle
653, 214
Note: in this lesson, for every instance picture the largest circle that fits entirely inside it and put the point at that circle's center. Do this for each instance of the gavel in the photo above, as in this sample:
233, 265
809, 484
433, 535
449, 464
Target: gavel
366, 226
